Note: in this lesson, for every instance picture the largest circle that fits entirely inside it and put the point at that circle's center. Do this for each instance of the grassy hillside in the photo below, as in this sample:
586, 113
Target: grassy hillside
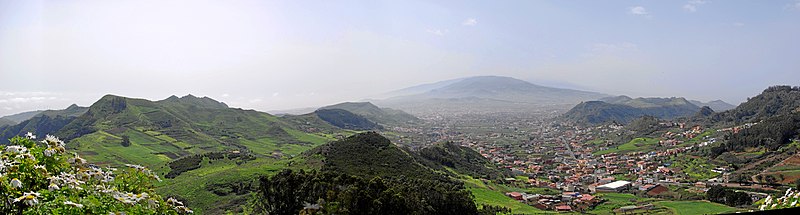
207, 153
696, 207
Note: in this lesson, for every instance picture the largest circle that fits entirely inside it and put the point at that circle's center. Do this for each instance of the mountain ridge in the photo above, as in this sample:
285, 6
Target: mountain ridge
514, 95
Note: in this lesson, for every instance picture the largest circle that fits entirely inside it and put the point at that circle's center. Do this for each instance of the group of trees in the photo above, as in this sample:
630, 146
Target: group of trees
192, 162
728, 196
290, 192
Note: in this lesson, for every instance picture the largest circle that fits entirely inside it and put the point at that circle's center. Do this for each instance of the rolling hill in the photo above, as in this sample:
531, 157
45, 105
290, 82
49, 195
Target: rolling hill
201, 146
366, 174
483, 94
386, 116
623, 109
346, 119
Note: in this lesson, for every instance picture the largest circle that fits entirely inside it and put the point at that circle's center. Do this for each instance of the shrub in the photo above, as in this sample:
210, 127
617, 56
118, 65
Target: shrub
42, 178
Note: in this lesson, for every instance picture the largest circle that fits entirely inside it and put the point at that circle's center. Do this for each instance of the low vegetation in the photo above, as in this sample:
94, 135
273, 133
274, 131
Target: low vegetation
43, 178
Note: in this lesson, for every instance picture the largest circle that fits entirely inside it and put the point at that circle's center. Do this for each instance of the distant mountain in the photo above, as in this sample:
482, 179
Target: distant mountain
483, 94
623, 109
420, 88
17, 118
44, 122
374, 113
716, 105
6, 122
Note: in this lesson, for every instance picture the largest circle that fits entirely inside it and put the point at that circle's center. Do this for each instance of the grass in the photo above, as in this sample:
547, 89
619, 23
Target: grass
638, 144
614, 201
193, 185
493, 194
695, 207
695, 168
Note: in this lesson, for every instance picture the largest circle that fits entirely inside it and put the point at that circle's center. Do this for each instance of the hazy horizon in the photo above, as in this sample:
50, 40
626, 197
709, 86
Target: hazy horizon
296, 54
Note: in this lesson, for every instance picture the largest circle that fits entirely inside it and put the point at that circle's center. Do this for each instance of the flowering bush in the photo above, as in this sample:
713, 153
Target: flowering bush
788, 200
41, 178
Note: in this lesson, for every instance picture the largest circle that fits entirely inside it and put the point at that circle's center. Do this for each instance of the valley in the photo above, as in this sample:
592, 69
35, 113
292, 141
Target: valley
212, 156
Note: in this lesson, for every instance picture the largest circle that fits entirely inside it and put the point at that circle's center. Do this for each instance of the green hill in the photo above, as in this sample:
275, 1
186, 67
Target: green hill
205, 150
346, 119
386, 116
365, 174
462, 160
623, 109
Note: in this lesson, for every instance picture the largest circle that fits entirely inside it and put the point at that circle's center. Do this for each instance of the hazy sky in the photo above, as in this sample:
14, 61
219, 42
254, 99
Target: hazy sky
270, 55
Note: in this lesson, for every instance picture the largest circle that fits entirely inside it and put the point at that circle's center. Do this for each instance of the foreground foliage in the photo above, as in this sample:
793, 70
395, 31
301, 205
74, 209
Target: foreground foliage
788, 200
41, 178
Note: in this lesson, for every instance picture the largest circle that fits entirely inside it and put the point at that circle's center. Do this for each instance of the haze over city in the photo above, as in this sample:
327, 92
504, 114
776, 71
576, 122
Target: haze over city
294, 54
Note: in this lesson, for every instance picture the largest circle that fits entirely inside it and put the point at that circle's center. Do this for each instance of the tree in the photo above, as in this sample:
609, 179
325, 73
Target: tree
126, 141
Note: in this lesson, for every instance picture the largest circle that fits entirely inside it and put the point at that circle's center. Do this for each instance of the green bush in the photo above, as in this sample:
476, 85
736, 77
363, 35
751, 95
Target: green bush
42, 178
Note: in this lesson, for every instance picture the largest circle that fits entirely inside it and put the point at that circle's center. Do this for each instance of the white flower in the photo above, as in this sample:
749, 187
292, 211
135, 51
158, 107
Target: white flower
16, 149
49, 152
53, 141
172, 201
40, 167
76, 160
30, 135
183, 209
16, 183
30, 198
73, 204
53, 187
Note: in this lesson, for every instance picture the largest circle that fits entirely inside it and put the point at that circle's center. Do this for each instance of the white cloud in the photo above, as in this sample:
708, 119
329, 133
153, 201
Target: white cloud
438, 32
470, 22
691, 6
638, 10
794, 6
738, 24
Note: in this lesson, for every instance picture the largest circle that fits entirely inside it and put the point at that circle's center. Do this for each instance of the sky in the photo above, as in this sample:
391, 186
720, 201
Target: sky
272, 55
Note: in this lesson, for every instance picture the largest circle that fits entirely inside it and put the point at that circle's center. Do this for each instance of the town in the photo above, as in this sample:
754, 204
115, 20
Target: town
578, 165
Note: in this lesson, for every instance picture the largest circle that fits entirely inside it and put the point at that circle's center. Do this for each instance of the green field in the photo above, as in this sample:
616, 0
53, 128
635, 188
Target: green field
492, 194
695, 207
614, 201
695, 168
638, 144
